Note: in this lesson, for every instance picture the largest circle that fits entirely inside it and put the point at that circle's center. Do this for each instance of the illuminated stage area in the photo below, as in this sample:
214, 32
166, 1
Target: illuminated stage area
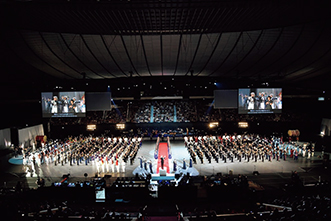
146, 155
165, 110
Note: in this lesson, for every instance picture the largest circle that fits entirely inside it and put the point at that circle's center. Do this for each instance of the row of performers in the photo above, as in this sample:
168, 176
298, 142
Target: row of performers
146, 167
248, 147
104, 152
64, 105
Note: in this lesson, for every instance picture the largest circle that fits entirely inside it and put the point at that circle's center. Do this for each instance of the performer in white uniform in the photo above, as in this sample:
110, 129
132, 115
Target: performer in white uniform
112, 163
54, 104
117, 166
65, 104
279, 101
312, 150
97, 163
262, 101
31, 159
107, 164
251, 101
123, 166
103, 164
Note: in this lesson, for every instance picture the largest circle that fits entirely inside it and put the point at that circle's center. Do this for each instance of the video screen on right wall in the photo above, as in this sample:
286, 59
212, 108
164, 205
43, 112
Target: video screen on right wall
260, 100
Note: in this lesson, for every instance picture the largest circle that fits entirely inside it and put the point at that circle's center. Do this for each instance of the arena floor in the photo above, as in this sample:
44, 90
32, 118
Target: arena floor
12, 173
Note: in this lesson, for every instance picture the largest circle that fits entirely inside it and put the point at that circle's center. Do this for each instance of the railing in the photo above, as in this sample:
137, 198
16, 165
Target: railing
272, 207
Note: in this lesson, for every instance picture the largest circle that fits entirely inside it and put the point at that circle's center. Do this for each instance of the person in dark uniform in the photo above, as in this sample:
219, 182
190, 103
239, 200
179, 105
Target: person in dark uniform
48, 105
60, 103
72, 107
162, 161
70, 159
59, 158
55, 159
86, 159
141, 162
40, 182
151, 167
145, 165
268, 103
77, 159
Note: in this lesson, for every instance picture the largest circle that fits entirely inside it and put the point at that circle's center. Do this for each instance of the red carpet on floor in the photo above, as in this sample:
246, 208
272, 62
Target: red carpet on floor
163, 151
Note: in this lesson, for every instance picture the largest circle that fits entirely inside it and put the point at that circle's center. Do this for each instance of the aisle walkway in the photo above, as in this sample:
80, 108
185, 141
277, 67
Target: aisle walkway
175, 114
152, 114
163, 151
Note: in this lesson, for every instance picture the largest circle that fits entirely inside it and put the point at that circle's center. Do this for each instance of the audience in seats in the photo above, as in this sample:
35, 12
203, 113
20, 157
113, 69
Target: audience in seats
175, 110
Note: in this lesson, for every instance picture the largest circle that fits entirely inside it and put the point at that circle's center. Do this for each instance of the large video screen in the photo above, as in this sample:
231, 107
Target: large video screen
259, 100
63, 104
225, 99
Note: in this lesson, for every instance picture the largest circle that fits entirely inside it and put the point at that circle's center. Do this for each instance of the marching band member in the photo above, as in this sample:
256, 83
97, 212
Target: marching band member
97, 163
112, 165
102, 164
117, 166
123, 166
107, 164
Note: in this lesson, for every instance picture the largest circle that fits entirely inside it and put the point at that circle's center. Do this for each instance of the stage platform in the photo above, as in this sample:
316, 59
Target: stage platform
15, 171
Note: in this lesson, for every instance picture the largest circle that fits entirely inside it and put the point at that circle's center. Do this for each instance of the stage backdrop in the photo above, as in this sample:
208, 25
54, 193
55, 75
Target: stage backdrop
5, 138
27, 135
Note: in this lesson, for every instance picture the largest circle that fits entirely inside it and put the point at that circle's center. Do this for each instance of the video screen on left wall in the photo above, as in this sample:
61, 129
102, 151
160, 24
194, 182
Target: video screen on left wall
63, 104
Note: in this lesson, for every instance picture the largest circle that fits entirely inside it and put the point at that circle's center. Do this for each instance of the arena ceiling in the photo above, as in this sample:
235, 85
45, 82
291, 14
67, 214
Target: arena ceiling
265, 40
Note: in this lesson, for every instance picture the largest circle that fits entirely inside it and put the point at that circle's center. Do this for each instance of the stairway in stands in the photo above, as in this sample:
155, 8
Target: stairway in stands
152, 114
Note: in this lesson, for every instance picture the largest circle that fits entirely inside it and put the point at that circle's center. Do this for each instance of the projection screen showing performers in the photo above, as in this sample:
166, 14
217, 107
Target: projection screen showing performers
259, 100
63, 104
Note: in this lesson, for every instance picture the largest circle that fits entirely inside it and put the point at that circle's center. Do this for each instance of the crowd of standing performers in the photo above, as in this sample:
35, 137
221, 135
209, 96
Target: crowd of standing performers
112, 154
247, 147
107, 154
